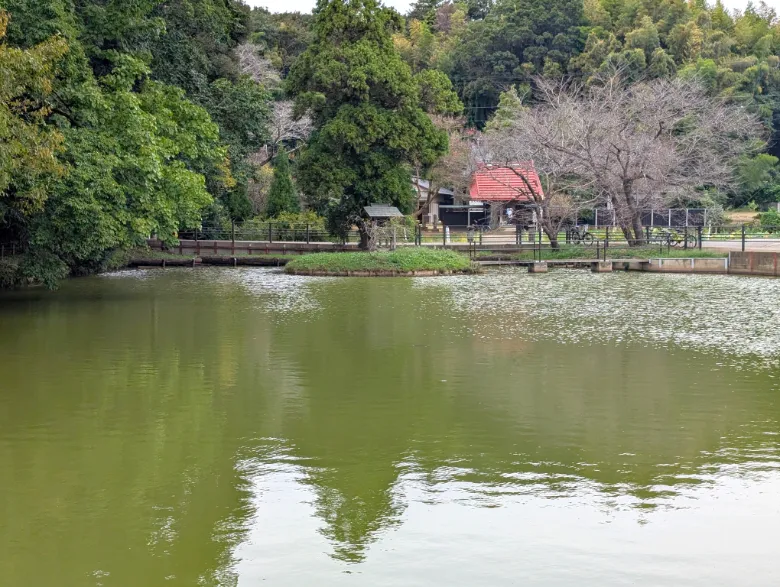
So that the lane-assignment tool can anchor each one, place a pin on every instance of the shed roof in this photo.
(505, 183)
(382, 211)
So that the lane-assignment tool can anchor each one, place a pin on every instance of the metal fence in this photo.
(510, 237)
(735, 237)
(10, 249)
(269, 232)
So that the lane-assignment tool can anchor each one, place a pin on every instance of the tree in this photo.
(131, 154)
(510, 105)
(450, 171)
(560, 196)
(759, 180)
(257, 67)
(517, 38)
(137, 170)
(285, 129)
(423, 10)
(365, 104)
(661, 64)
(632, 147)
(282, 196)
(281, 36)
(645, 38)
(28, 149)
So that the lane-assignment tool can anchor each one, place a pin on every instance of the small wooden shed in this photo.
(382, 213)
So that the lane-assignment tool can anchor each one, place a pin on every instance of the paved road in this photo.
(750, 245)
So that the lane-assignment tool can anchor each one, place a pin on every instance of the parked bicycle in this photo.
(579, 235)
(672, 238)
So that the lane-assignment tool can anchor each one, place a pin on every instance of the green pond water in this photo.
(222, 427)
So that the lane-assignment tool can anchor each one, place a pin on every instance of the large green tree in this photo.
(28, 149)
(366, 107)
(282, 196)
(132, 154)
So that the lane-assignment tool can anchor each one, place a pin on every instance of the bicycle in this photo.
(579, 235)
(673, 238)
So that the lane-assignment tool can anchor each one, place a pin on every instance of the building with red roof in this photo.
(506, 183)
(507, 186)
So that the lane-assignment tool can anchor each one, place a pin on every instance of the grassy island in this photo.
(403, 261)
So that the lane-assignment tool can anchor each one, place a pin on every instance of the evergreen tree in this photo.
(366, 106)
(282, 196)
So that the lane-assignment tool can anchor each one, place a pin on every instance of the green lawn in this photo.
(403, 259)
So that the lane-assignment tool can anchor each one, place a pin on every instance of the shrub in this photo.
(770, 221)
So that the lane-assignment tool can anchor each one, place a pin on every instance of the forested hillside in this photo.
(120, 120)
(487, 48)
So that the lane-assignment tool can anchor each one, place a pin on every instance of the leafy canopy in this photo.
(365, 103)
(28, 149)
(282, 197)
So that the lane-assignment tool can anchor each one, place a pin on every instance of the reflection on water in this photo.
(223, 427)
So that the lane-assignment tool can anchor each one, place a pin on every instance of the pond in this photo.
(221, 427)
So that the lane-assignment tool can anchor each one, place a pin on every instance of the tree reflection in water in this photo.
(170, 402)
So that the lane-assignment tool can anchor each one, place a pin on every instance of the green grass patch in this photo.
(403, 259)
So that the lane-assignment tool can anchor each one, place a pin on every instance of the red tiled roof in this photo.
(501, 183)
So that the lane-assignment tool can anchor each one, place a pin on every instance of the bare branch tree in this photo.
(452, 170)
(633, 147)
(558, 196)
(284, 128)
(260, 69)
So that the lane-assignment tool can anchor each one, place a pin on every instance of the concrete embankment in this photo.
(757, 263)
(761, 263)
(754, 263)
(684, 265)
(250, 261)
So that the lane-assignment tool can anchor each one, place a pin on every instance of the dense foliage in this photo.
(366, 107)
(120, 120)
(282, 197)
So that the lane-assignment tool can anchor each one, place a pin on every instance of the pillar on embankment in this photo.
(601, 267)
(538, 267)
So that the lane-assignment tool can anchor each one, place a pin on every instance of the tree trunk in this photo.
(636, 216)
(627, 232)
(552, 235)
(367, 237)
(638, 231)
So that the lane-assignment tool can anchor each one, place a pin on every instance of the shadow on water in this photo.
(143, 429)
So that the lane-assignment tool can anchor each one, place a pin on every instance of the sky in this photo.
(400, 5)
